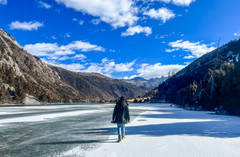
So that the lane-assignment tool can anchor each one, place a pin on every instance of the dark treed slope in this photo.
(192, 85)
(25, 78)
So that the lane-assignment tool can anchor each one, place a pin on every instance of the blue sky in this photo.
(121, 38)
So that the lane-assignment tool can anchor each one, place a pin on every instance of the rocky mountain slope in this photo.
(98, 87)
(145, 84)
(25, 78)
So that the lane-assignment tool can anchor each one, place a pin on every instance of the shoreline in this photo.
(45, 104)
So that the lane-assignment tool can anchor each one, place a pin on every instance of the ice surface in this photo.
(163, 131)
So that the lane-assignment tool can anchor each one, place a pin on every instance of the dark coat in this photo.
(121, 112)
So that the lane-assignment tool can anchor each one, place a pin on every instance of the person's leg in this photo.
(123, 131)
(119, 131)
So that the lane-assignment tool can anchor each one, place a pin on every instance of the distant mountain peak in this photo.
(138, 79)
(146, 84)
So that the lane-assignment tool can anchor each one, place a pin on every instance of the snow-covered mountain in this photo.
(146, 84)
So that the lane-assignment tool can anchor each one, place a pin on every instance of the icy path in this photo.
(164, 131)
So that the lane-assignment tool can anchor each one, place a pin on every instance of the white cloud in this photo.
(83, 46)
(236, 34)
(111, 50)
(189, 57)
(94, 67)
(73, 67)
(62, 58)
(109, 66)
(67, 35)
(118, 13)
(104, 60)
(137, 29)
(164, 36)
(55, 52)
(81, 22)
(197, 49)
(79, 57)
(163, 14)
(41, 49)
(130, 77)
(183, 2)
(187, 63)
(63, 52)
(148, 71)
(95, 21)
(178, 2)
(165, 1)
(3, 1)
(124, 67)
(171, 50)
(53, 37)
(42, 4)
(26, 25)
(106, 67)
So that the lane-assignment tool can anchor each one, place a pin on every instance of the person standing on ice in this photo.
(121, 117)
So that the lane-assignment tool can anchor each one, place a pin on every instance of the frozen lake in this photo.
(85, 130)
(53, 129)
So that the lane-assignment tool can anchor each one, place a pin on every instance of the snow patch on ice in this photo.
(46, 116)
(3, 113)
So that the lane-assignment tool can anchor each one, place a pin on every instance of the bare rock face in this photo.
(26, 78)
(30, 100)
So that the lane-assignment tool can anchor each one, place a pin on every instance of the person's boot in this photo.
(123, 137)
(119, 140)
